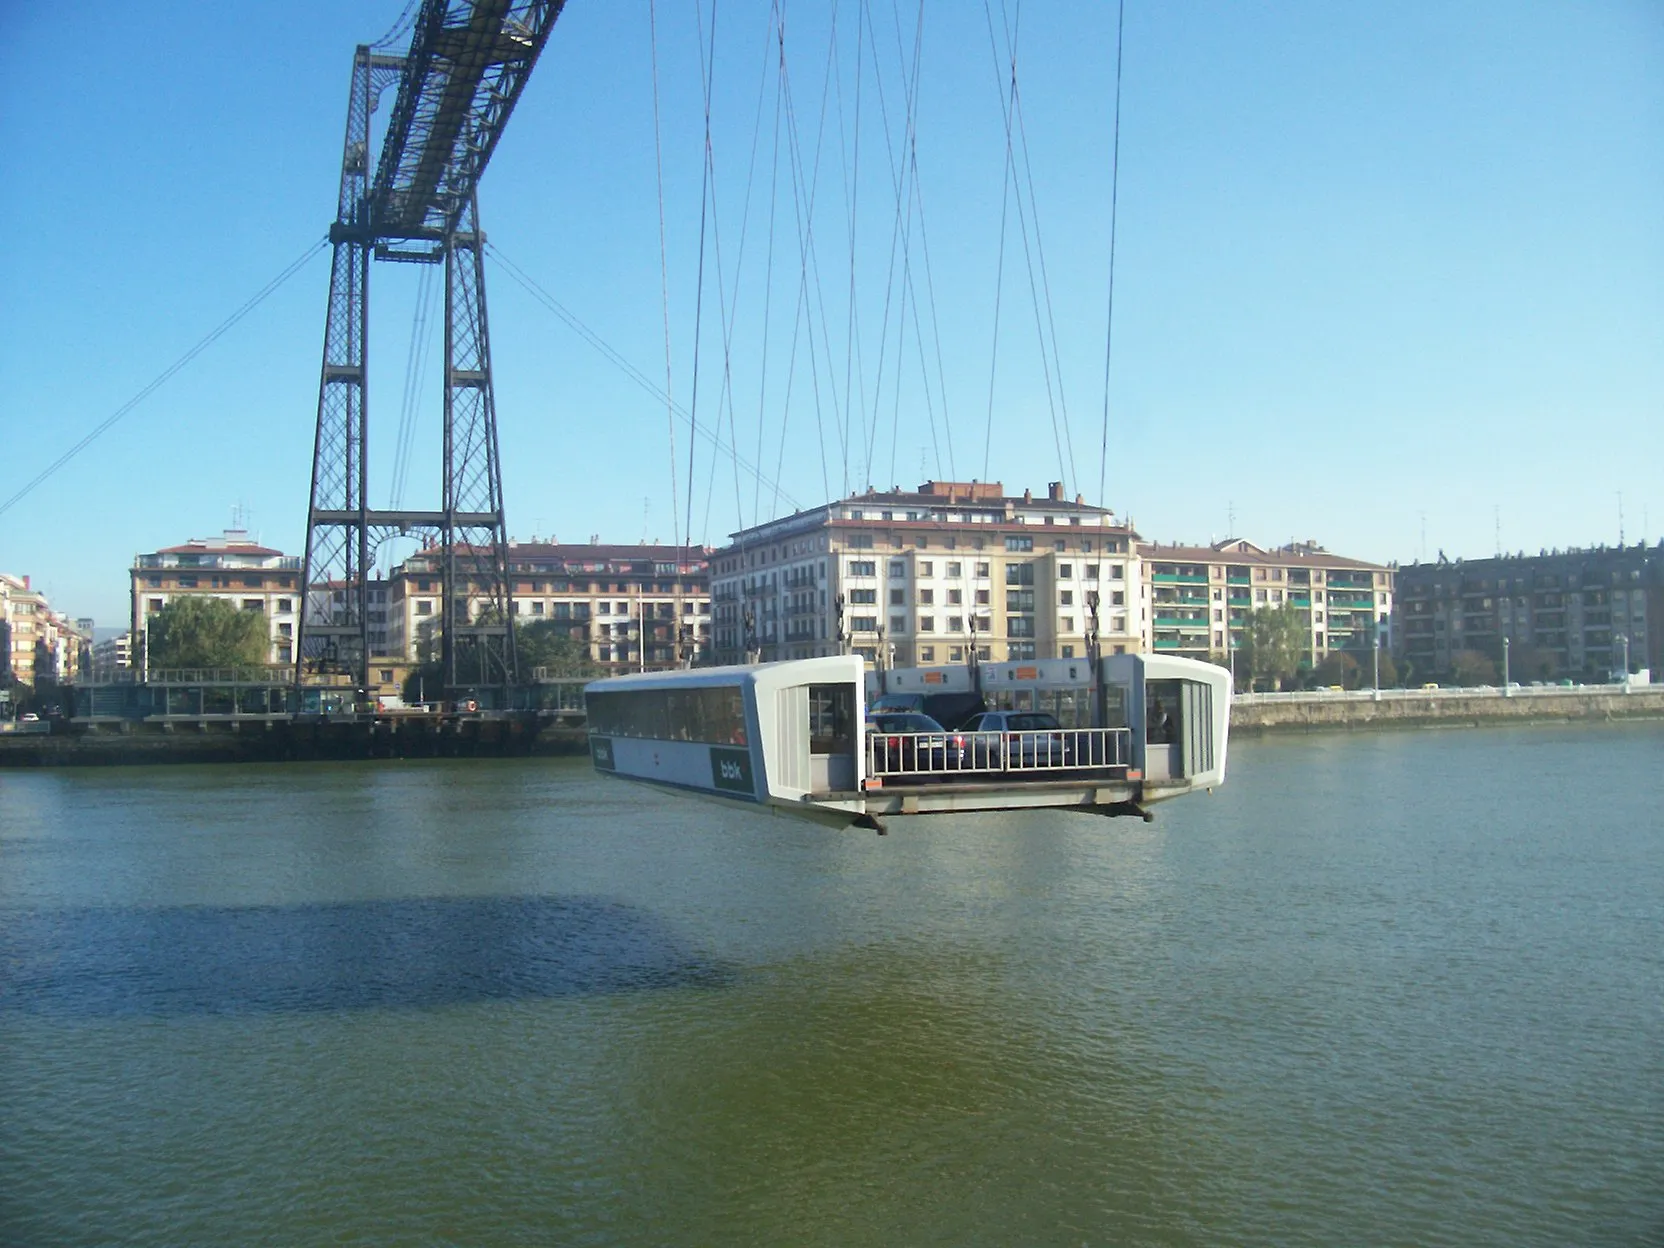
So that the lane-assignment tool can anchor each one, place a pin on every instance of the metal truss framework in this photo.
(458, 84)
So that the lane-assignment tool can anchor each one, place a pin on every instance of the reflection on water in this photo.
(1380, 989)
(398, 954)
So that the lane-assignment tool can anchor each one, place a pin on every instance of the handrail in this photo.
(897, 755)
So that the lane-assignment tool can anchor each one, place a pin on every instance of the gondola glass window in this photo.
(831, 719)
(712, 715)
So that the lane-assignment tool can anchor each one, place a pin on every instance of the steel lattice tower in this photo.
(467, 63)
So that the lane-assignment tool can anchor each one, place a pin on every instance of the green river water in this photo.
(1404, 988)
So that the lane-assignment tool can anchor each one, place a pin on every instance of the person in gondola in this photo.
(1161, 725)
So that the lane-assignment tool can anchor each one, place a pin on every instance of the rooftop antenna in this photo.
(646, 514)
(1230, 518)
(1620, 519)
(1496, 520)
(1424, 537)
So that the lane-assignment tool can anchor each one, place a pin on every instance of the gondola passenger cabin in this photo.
(796, 738)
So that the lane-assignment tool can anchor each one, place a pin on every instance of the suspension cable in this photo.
(213, 336)
(1114, 194)
(664, 270)
(577, 326)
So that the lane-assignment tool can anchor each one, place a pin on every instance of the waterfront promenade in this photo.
(1323, 710)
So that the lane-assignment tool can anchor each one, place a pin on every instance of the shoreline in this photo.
(1398, 710)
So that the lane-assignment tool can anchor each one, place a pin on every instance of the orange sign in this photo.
(933, 678)
(1027, 673)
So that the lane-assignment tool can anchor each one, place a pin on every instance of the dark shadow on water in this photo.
(408, 953)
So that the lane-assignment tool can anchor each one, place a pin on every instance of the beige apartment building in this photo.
(233, 567)
(629, 606)
(1194, 601)
(36, 642)
(912, 578)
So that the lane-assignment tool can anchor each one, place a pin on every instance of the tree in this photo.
(1469, 667)
(1389, 671)
(1338, 668)
(549, 644)
(207, 632)
(1528, 663)
(1274, 644)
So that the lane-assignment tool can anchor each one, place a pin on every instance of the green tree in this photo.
(1528, 663)
(1470, 667)
(549, 644)
(1389, 671)
(1338, 668)
(207, 632)
(1275, 643)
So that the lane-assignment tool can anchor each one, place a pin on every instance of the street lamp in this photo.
(1624, 638)
(1506, 641)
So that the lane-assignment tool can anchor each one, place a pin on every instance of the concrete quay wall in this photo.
(1452, 708)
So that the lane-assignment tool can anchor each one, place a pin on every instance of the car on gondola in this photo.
(1021, 739)
(906, 742)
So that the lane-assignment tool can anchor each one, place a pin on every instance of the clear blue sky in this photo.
(1377, 269)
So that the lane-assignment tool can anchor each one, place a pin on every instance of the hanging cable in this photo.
(577, 326)
(213, 336)
(410, 401)
(699, 281)
(664, 269)
(1114, 195)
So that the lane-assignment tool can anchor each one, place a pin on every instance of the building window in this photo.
(1065, 571)
(926, 568)
(1057, 545)
(927, 597)
(956, 569)
(898, 567)
(1117, 598)
(898, 597)
(956, 654)
(1020, 626)
(1014, 542)
(424, 608)
(927, 654)
(927, 623)
(1067, 598)
(285, 630)
(537, 608)
(187, 582)
(982, 598)
(863, 567)
(863, 623)
(1019, 574)
(1067, 623)
(285, 605)
(982, 569)
(155, 605)
(898, 623)
(863, 595)
(956, 623)
(860, 541)
(1067, 652)
(955, 597)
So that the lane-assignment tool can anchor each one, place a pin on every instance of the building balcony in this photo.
(1177, 578)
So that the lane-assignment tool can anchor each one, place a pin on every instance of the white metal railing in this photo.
(1515, 690)
(979, 755)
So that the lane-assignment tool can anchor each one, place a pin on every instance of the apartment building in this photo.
(1566, 614)
(1195, 600)
(629, 606)
(36, 642)
(920, 577)
(232, 567)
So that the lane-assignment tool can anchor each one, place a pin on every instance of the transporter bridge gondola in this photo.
(795, 737)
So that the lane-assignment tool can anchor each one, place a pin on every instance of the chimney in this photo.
(1054, 491)
(1080, 500)
(1028, 496)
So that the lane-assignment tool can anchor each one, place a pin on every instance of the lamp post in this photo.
(1506, 690)
(1624, 638)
